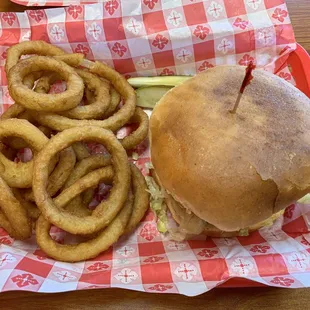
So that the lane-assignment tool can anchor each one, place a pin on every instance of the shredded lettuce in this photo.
(162, 225)
(135, 156)
(157, 204)
(148, 166)
(155, 191)
(243, 232)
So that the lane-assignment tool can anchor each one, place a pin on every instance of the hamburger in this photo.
(226, 174)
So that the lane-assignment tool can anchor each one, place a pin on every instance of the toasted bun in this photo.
(192, 225)
(232, 170)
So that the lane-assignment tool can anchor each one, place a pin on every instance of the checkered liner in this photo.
(154, 37)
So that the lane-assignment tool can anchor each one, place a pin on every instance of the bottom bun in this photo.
(185, 224)
(214, 232)
(193, 225)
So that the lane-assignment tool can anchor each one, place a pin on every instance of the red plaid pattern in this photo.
(158, 37)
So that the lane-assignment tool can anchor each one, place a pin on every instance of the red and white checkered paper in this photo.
(153, 37)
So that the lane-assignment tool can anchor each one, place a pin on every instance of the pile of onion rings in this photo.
(58, 182)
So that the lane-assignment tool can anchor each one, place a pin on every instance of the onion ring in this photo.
(140, 133)
(62, 171)
(87, 165)
(115, 101)
(100, 243)
(90, 96)
(18, 143)
(45, 82)
(32, 210)
(68, 99)
(84, 250)
(20, 174)
(16, 111)
(59, 175)
(90, 180)
(80, 150)
(101, 98)
(100, 89)
(27, 48)
(4, 223)
(73, 60)
(106, 210)
(14, 212)
(114, 122)
(142, 198)
(13, 111)
(47, 131)
(30, 79)
(7, 151)
(78, 205)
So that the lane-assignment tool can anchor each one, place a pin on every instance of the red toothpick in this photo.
(247, 80)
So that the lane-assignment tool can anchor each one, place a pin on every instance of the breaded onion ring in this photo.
(59, 175)
(32, 210)
(18, 111)
(114, 122)
(141, 201)
(80, 150)
(13, 111)
(134, 209)
(29, 48)
(30, 99)
(78, 205)
(114, 102)
(20, 174)
(99, 88)
(88, 249)
(18, 222)
(106, 210)
(137, 136)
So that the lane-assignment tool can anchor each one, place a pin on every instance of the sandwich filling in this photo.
(179, 223)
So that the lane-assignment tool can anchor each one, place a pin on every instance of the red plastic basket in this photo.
(299, 62)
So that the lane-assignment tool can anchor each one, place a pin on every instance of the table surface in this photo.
(238, 298)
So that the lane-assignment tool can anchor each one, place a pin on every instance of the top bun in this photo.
(232, 170)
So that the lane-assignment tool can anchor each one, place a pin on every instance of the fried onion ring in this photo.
(18, 111)
(59, 175)
(32, 210)
(78, 205)
(99, 88)
(140, 133)
(84, 250)
(73, 60)
(19, 223)
(30, 79)
(28, 48)
(115, 100)
(141, 200)
(20, 174)
(101, 98)
(30, 99)
(80, 150)
(13, 111)
(114, 122)
(135, 210)
(106, 210)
